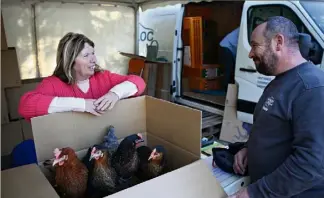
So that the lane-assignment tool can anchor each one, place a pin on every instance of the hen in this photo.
(71, 174)
(110, 143)
(103, 177)
(152, 162)
(125, 160)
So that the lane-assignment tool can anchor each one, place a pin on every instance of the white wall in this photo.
(112, 28)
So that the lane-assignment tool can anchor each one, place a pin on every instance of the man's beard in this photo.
(267, 63)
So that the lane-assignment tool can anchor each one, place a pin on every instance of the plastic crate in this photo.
(192, 36)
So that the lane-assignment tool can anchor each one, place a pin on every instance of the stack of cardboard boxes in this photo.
(13, 128)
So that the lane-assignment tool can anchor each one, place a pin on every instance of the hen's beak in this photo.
(95, 155)
(56, 161)
(139, 141)
(93, 152)
(152, 155)
(91, 157)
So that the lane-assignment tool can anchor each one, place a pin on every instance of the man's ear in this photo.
(279, 41)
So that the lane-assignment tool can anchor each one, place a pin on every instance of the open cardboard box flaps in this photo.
(176, 127)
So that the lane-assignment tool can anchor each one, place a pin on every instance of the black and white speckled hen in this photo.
(125, 160)
(102, 176)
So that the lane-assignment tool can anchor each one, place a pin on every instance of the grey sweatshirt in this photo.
(286, 144)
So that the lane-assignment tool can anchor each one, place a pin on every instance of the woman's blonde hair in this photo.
(68, 49)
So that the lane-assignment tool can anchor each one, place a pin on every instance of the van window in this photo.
(259, 14)
(315, 10)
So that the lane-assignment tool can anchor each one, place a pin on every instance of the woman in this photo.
(78, 83)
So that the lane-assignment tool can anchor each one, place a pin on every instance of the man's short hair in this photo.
(281, 25)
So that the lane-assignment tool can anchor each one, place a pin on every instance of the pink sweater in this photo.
(36, 103)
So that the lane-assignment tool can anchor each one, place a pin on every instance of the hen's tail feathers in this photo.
(111, 140)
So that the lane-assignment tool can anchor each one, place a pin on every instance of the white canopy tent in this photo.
(145, 4)
(34, 27)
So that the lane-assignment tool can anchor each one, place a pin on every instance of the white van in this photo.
(227, 16)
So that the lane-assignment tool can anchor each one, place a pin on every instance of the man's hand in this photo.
(243, 193)
(240, 161)
(90, 107)
(105, 102)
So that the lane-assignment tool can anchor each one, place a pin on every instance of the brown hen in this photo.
(71, 174)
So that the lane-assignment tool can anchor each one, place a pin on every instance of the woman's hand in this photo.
(105, 102)
(90, 107)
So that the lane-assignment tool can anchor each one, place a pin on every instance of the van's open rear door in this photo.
(176, 84)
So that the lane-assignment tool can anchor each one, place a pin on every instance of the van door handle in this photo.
(248, 70)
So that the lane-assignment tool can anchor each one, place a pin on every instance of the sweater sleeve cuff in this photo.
(125, 89)
(63, 104)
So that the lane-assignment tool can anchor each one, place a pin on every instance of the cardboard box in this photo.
(10, 74)
(14, 94)
(26, 182)
(233, 130)
(11, 135)
(231, 95)
(159, 123)
(4, 108)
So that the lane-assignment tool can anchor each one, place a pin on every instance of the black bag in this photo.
(224, 158)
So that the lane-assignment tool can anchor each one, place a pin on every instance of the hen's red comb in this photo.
(93, 150)
(57, 152)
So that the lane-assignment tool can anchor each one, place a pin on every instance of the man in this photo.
(228, 51)
(285, 150)
(230, 41)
